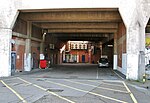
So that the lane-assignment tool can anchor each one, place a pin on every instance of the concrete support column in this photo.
(115, 63)
(64, 59)
(5, 50)
(141, 68)
(27, 55)
(60, 58)
(135, 51)
(41, 47)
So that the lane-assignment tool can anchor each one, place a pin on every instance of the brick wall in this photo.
(121, 41)
(19, 48)
(35, 53)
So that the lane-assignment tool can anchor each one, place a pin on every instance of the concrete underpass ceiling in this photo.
(86, 24)
(148, 27)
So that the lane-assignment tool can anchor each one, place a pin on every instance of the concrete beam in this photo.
(69, 10)
(25, 36)
(81, 35)
(76, 16)
(82, 30)
(49, 25)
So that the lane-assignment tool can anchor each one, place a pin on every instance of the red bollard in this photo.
(43, 64)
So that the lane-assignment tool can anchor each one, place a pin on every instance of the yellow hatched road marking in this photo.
(18, 95)
(98, 87)
(81, 90)
(131, 95)
(46, 90)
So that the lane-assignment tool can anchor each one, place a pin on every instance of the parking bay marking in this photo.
(131, 95)
(17, 94)
(107, 83)
(98, 87)
(46, 90)
(81, 90)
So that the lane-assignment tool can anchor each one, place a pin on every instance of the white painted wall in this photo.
(124, 63)
(40, 4)
(115, 63)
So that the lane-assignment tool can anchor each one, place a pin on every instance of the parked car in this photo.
(103, 62)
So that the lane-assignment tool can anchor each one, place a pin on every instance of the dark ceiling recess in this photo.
(148, 27)
(90, 24)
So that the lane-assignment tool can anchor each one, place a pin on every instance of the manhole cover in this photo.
(55, 90)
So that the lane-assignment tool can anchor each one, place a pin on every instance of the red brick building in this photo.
(81, 52)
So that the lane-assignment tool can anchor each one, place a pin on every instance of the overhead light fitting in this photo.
(110, 45)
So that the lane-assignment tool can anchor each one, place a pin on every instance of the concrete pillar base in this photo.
(27, 60)
(132, 66)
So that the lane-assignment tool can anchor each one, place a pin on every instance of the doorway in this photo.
(83, 58)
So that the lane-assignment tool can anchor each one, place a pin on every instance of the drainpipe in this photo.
(42, 45)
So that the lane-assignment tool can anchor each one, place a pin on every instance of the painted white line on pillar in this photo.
(115, 63)
(97, 74)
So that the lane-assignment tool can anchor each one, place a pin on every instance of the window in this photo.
(79, 46)
(76, 46)
(72, 46)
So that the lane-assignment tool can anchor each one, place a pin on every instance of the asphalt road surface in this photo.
(70, 83)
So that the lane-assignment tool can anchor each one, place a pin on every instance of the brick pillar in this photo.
(5, 48)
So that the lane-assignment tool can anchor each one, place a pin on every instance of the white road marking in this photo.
(107, 83)
(98, 87)
(81, 90)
